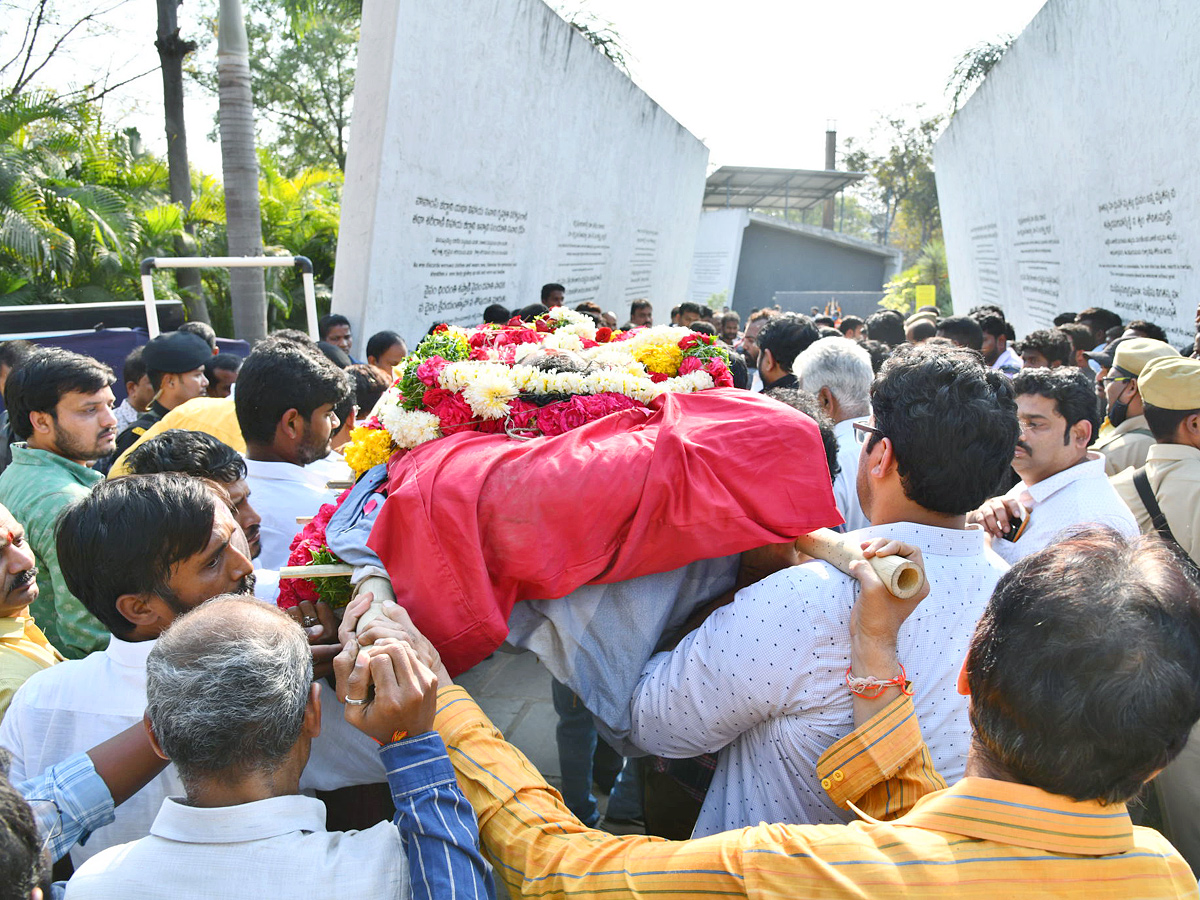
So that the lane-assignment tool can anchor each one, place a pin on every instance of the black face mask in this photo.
(1118, 412)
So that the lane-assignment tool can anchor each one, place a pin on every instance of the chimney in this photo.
(830, 164)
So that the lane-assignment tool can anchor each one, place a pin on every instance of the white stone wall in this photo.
(1070, 180)
(493, 149)
(718, 248)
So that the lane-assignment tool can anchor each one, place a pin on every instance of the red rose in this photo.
(514, 321)
(440, 327)
(543, 326)
(588, 344)
(430, 370)
(434, 396)
(720, 373)
(603, 335)
(658, 377)
(454, 414)
(690, 364)
(478, 339)
(690, 341)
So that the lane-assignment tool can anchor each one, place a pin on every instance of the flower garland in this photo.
(309, 548)
(532, 378)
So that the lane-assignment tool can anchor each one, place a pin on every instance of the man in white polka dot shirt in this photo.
(763, 680)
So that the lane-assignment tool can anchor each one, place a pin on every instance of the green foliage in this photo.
(302, 79)
(901, 178)
(930, 268)
(973, 67)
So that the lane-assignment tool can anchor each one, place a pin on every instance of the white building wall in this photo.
(493, 149)
(718, 249)
(1069, 179)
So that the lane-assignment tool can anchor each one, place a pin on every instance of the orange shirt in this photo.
(24, 651)
(979, 839)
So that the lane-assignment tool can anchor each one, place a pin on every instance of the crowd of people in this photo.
(167, 731)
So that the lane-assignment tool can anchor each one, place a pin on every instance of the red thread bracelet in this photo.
(861, 686)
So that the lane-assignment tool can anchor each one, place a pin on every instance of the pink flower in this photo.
(453, 413)
(430, 370)
(690, 364)
(720, 373)
(588, 343)
(523, 412)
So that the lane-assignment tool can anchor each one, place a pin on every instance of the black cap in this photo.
(175, 352)
(1105, 355)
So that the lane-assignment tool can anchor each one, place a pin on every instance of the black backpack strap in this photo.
(1146, 493)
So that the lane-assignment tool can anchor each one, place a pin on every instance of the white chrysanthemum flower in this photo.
(691, 382)
(490, 393)
(659, 334)
(586, 330)
(563, 340)
(457, 376)
(410, 429)
(524, 351)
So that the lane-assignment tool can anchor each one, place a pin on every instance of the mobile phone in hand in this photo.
(1016, 527)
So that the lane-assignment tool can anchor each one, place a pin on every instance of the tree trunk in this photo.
(171, 51)
(239, 167)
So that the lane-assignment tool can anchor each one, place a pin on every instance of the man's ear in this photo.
(1081, 433)
(42, 422)
(963, 687)
(139, 610)
(825, 398)
(881, 459)
(311, 726)
(292, 424)
(766, 359)
(154, 744)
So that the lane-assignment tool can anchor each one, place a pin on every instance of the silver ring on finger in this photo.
(351, 702)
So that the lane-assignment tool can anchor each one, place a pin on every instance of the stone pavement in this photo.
(514, 690)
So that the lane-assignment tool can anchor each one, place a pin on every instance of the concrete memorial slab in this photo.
(1068, 179)
(493, 150)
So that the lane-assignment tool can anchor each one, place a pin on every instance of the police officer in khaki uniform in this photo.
(175, 365)
(1125, 437)
(1170, 481)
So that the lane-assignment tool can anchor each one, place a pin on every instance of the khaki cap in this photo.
(917, 317)
(1133, 354)
(1171, 383)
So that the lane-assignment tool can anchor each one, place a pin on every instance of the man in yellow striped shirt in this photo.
(1082, 676)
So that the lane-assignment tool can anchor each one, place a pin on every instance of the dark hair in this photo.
(134, 367)
(13, 353)
(1080, 337)
(280, 376)
(334, 354)
(226, 362)
(877, 350)
(187, 453)
(689, 307)
(368, 386)
(963, 330)
(1064, 318)
(1052, 343)
(986, 309)
(824, 320)
(532, 311)
(886, 325)
(990, 323)
(739, 371)
(495, 314)
(124, 537)
(703, 327)
(1104, 319)
(327, 323)
(952, 423)
(202, 330)
(787, 336)
(1165, 422)
(639, 304)
(293, 336)
(41, 380)
(706, 311)
(807, 404)
(22, 867)
(849, 323)
(921, 330)
(1149, 329)
(1071, 389)
(1084, 666)
(674, 311)
(381, 342)
(548, 289)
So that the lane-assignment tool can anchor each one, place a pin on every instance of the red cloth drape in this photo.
(474, 523)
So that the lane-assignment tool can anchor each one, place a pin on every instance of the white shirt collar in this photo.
(929, 539)
(273, 817)
(128, 654)
(285, 471)
(1091, 467)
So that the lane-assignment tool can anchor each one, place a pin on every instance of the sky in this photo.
(756, 80)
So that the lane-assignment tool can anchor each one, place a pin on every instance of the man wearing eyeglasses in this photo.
(763, 679)
(1063, 485)
(1125, 438)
